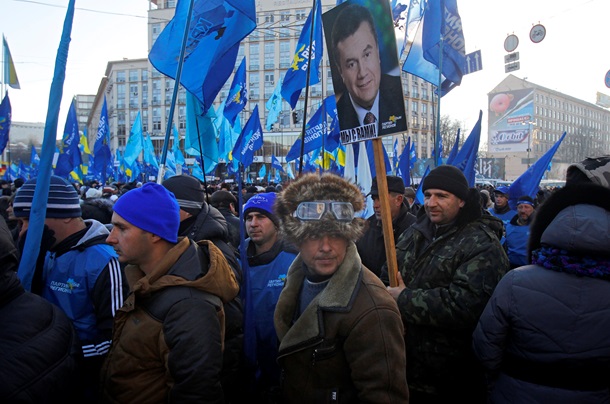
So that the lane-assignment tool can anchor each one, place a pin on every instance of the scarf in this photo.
(562, 261)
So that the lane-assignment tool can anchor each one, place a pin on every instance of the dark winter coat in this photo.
(371, 246)
(348, 345)
(167, 340)
(38, 345)
(450, 274)
(544, 335)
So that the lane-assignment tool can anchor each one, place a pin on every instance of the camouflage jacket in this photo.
(450, 274)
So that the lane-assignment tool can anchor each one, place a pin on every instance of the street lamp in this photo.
(531, 125)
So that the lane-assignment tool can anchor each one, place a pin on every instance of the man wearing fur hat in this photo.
(340, 332)
(168, 336)
(450, 261)
(268, 260)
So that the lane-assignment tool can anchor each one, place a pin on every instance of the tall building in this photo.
(526, 120)
(133, 85)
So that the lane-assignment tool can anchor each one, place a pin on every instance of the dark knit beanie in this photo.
(263, 204)
(447, 178)
(62, 202)
(188, 191)
(152, 208)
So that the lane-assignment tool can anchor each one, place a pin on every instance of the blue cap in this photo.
(502, 190)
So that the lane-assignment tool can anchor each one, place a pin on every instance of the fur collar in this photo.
(336, 297)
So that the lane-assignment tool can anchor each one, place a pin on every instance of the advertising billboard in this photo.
(510, 120)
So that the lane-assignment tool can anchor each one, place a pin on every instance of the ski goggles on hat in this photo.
(314, 210)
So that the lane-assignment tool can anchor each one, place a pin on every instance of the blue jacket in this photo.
(266, 275)
(515, 243)
(85, 280)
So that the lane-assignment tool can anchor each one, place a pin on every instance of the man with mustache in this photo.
(340, 333)
(449, 263)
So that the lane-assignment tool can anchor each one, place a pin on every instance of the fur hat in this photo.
(311, 187)
(447, 178)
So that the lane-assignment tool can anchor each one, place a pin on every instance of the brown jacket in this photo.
(348, 344)
(168, 336)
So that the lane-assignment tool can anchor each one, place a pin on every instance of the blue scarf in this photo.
(581, 265)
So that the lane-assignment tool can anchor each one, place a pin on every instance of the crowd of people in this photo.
(176, 292)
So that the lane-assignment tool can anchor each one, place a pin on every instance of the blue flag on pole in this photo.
(467, 156)
(5, 121)
(135, 144)
(274, 105)
(178, 156)
(275, 163)
(27, 265)
(10, 74)
(215, 31)
(315, 131)
(419, 195)
(238, 95)
(200, 130)
(529, 182)
(404, 164)
(262, 172)
(296, 76)
(250, 140)
(101, 149)
(423, 57)
(149, 152)
(71, 138)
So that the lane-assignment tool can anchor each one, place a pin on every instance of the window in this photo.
(134, 75)
(120, 76)
(269, 78)
(144, 120)
(269, 55)
(144, 75)
(156, 119)
(285, 16)
(301, 14)
(155, 30)
(285, 54)
(269, 18)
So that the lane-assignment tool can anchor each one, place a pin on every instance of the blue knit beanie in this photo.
(151, 208)
(262, 203)
(62, 202)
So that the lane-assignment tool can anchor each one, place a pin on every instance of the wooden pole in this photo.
(386, 216)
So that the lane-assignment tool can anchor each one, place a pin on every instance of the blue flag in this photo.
(5, 121)
(135, 144)
(332, 140)
(71, 139)
(39, 203)
(101, 148)
(149, 152)
(440, 18)
(296, 76)
(215, 30)
(529, 182)
(177, 153)
(238, 95)
(274, 105)
(467, 156)
(404, 164)
(315, 131)
(200, 136)
(454, 150)
(371, 155)
(275, 163)
(262, 172)
(395, 157)
(250, 140)
(419, 195)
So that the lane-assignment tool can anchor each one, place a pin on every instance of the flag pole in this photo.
(170, 118)
(311, 31)
(437, 135)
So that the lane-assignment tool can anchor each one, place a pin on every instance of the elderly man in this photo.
(450, 261)
(372, 242)
(168, 336)
(341, 337)
(518, 232)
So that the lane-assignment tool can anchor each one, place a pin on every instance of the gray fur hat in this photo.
(312, 187)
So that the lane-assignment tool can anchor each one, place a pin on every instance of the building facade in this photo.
(133, 85)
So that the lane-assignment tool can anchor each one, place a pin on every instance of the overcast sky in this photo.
(572, 59)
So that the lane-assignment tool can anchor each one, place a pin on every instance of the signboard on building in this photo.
(603, 100)
(510, 117)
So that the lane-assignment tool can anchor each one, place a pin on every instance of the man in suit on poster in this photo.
(370, 96)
